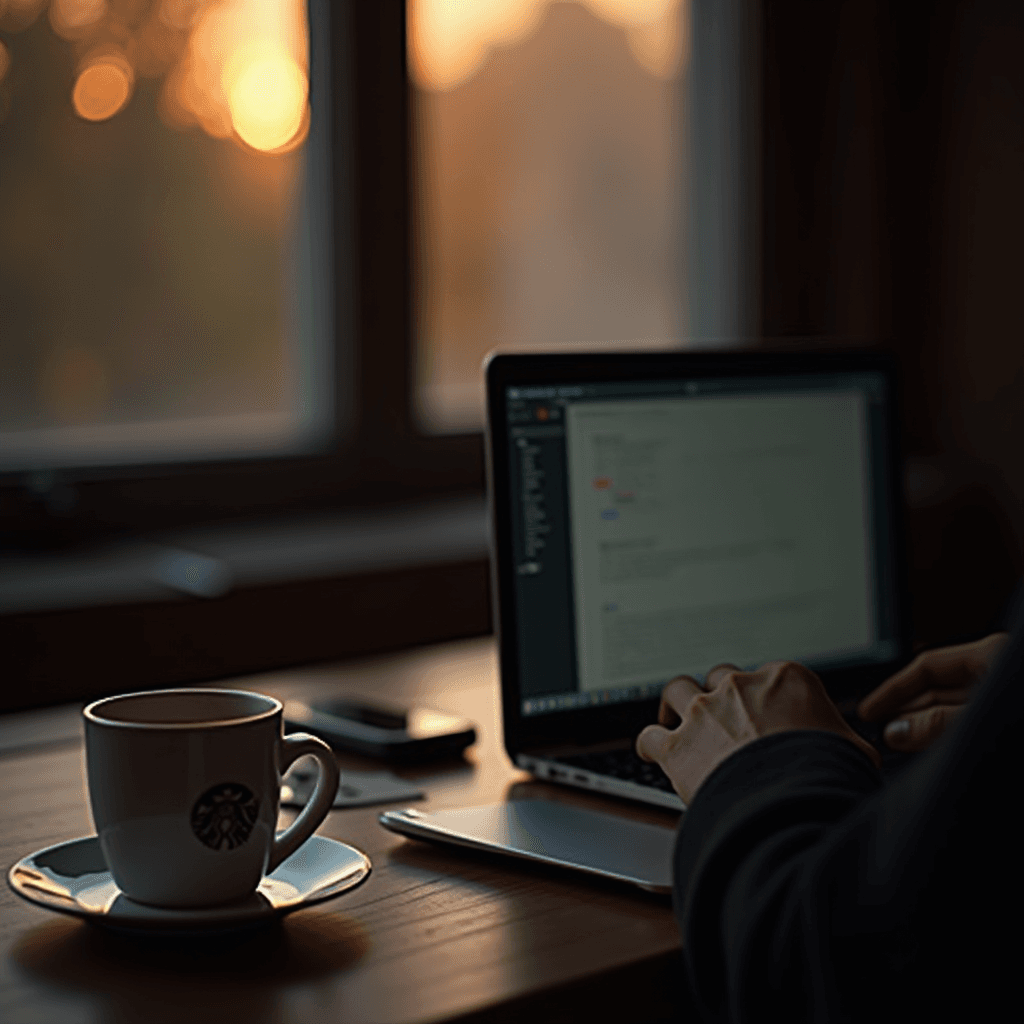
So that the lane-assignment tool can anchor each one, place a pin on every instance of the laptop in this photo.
(656, 514)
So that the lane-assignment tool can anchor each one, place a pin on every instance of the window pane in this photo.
(550, 169)
(152, 165)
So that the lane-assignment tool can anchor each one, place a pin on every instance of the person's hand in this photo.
(921, 700)
(698, 729)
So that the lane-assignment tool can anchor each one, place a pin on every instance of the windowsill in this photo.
(213, 562)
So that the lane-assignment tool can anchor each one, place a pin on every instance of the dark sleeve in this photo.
(807, 891)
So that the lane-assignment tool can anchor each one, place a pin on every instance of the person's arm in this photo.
(807, 892)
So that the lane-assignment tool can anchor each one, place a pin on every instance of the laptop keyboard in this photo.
(626, 764)
(621, 764)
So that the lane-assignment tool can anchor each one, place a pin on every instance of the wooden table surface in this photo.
(434, 934)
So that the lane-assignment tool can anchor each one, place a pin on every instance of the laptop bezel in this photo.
(526, 733)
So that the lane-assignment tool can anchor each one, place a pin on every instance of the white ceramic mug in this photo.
(185, 788)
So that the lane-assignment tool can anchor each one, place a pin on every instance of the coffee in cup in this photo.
(185, 789)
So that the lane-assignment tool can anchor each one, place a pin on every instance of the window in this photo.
(201, 562)
(202, 322)
(550, 168)
(155, 208)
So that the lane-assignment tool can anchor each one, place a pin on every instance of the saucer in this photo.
(72, 878)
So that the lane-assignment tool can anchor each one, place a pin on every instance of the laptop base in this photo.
(558, 771)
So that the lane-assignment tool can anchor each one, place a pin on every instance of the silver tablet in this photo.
(551, 833)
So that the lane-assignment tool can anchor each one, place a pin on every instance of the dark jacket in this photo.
(808, 891)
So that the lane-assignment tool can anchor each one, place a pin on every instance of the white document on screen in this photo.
(718, 529)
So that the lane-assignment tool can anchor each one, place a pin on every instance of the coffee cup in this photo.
(185, 790)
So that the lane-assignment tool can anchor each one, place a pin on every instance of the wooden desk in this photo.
(434, 934)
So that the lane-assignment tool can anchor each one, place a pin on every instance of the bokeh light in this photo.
(630, 13)
(103, 88)
(450, 39)
(242, 73)
(266, 93)
(235, 68)
(72, 18)
(660, 45)
(179, 14)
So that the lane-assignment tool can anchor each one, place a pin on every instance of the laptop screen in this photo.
(662, 527)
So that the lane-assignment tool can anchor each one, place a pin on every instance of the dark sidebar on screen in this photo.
(543, 559)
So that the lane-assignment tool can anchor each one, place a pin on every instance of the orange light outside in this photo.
(102, 88)
(244, 73)
(72, 18)
(266, 92)
(233, 67)
(243, 70)
(450, 39)
(5, 60)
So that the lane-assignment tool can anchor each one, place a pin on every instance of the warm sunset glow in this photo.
(630, 13)
(179, 14)
(450, 39)
(70, 17)
(5, 60)
(243, 72)
(266, 93)
(102, 89)
(660, 45)
(235, 68)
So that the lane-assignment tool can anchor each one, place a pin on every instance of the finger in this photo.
(895, 692)
(991, 646)
(675, 699)
(948, 668)
(931, 698)
(652, 743)
(920, 729)
(921, 674)
(718, 673)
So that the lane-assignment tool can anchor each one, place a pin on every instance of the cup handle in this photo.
(294, 746)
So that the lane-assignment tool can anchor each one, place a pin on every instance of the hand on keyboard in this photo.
(920, 701)
(699, 728)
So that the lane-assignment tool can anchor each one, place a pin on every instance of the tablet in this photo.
(551, 833)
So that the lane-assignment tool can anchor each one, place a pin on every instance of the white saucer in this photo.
(72, 878)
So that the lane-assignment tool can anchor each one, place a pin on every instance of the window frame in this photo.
(376, 456)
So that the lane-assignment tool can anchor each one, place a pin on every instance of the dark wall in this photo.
(893, 209)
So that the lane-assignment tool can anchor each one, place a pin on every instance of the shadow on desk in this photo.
(234, 977)
(242, 977)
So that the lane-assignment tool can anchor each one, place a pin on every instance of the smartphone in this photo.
(380, 730)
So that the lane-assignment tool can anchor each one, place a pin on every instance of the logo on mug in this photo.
(223, 817)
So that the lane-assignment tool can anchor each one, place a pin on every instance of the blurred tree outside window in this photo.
(151, 172)
(550, 171)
